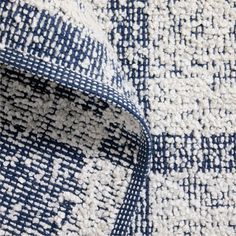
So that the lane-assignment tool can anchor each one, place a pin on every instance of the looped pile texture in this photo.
(117, 117)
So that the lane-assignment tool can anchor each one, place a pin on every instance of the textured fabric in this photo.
(117, 117)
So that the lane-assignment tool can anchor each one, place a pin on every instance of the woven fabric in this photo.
(117, 117)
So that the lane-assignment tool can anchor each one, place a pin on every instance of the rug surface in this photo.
(118, 117)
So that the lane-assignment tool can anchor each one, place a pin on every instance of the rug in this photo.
(117, 117)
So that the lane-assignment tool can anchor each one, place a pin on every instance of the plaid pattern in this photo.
(117, 117)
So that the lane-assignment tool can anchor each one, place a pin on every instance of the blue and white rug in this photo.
(118, 117)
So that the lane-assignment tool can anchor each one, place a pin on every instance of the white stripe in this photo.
(180, 106)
